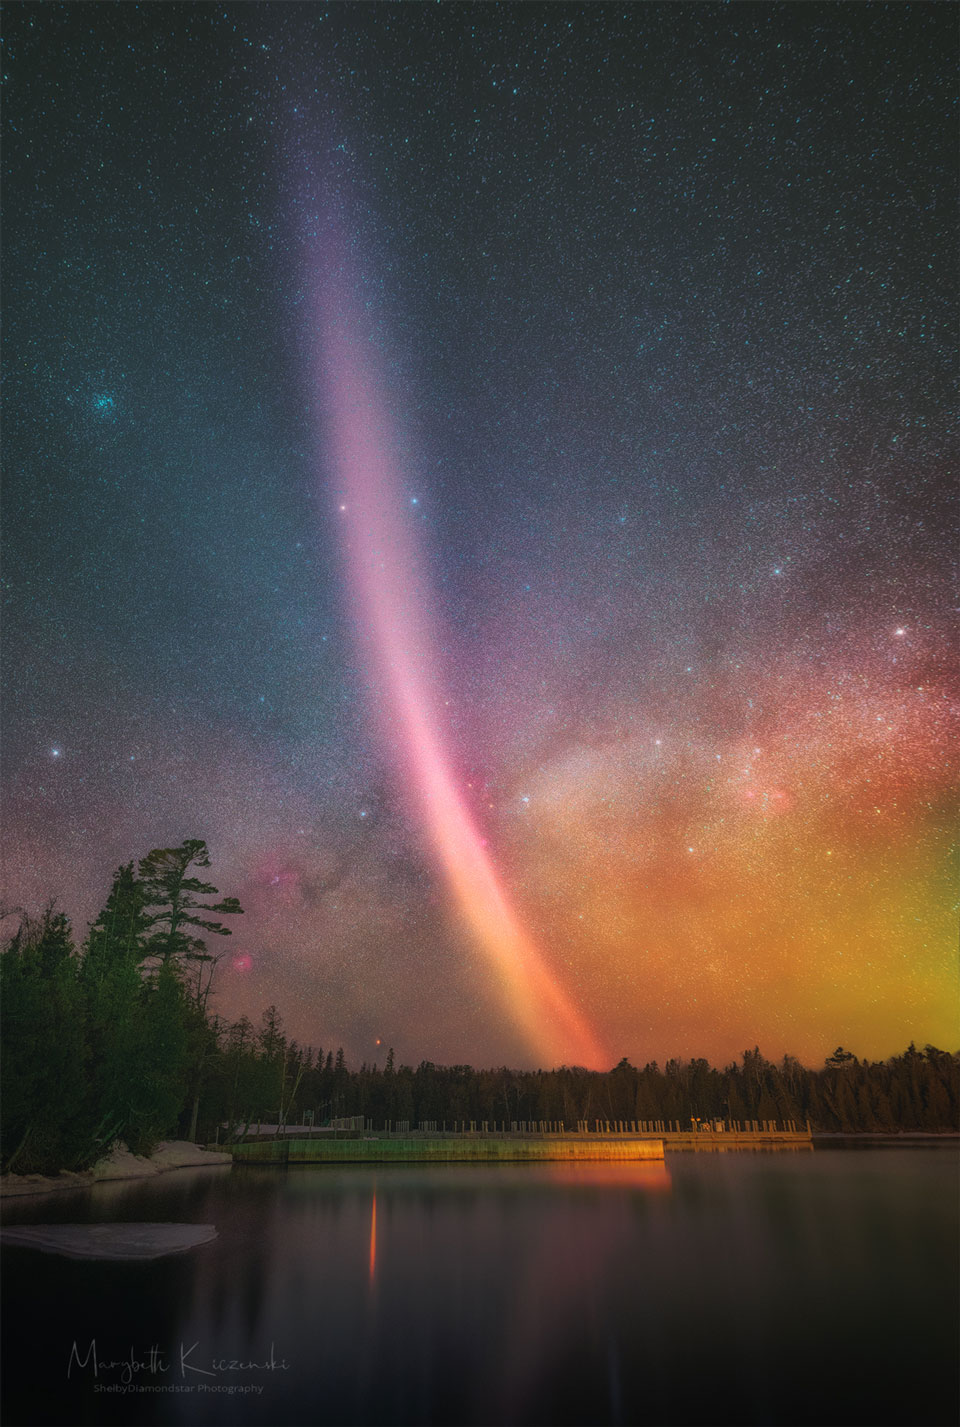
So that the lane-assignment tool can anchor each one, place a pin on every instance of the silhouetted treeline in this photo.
(263, 1079)
(111, 1042)
(114, 1041)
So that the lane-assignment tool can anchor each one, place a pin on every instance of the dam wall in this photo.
(434, 1149)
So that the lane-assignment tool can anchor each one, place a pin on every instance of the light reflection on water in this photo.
(373, 1235)
(737, 1288)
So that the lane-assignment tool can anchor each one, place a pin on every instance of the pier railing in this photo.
(694, 1133)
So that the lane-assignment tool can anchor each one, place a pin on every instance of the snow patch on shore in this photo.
(118, 1164)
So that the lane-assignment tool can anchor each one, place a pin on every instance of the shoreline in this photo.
(885, 1137)
(119, 1164)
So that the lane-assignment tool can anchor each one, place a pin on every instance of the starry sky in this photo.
(653, 306)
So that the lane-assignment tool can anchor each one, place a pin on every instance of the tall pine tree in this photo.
(112, 985)
(175, 909)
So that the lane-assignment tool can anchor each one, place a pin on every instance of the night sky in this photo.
(614, 707)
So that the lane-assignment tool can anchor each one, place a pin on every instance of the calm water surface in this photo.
(717, 1288)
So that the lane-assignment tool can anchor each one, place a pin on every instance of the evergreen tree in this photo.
(841, 1059)
(119, 932)
(174, 896)
(239, 1059)
(112, 988)
(157, 1092)
(175, 913)
(44, 1124)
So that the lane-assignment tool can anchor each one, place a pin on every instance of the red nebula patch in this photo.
(274, 874)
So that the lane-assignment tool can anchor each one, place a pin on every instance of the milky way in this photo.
(657, 305)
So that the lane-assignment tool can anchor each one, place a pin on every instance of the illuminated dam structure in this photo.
(435, 1149)
(621, 1140)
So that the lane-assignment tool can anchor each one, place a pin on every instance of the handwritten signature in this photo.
(153, 1362)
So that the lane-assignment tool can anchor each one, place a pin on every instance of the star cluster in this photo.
(665, 300)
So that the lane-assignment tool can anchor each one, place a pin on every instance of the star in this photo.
(556, 360)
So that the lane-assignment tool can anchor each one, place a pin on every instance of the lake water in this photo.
(715, 1288)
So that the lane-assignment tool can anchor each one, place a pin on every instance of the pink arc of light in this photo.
(389, 597)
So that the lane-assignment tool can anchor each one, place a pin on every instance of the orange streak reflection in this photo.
(373, 1236)
(617, 1174)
